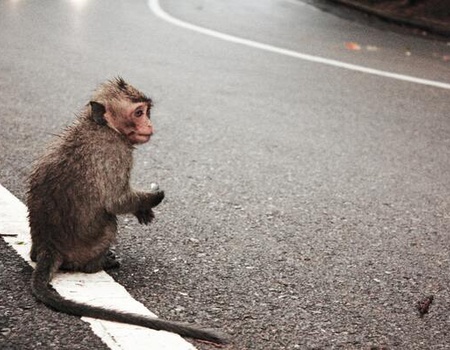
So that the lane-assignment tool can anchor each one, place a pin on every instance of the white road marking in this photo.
(158, 11)
(96, 289)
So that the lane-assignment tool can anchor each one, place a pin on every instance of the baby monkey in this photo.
(77, 188)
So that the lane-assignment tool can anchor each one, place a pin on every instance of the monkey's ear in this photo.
(98, 112)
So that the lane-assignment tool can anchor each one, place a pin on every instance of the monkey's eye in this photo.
(139, 113)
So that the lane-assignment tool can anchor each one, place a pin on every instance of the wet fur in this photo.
(76, 189)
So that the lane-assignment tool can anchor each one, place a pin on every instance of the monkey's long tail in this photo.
(46, 264)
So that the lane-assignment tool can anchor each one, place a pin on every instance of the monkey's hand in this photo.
(150, 200)
(153, 199)
(145, 216)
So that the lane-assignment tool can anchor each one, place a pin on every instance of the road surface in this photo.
(307, 202)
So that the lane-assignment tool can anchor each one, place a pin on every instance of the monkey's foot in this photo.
(111, 261)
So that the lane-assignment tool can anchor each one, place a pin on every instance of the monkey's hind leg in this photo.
(106, 261)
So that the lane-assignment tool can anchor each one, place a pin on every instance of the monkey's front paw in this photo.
(145, 216)
(156, 198)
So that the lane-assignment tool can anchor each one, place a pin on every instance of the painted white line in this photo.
(96, 289)
(158, 11)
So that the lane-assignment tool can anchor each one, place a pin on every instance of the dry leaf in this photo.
(352, 46)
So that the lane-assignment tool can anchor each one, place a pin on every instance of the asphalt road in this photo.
(307, 205)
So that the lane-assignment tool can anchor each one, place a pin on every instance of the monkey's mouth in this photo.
(141, 138)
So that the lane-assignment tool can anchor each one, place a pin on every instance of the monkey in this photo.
(77, 188)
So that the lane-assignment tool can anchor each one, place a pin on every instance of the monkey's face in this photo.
(129, 119)
(124, 109)
(137, 125)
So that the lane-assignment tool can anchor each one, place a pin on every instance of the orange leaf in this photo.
(352, 46)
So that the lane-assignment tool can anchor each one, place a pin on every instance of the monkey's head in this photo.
(123, 108)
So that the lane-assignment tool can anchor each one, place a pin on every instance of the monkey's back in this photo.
(71, 186)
